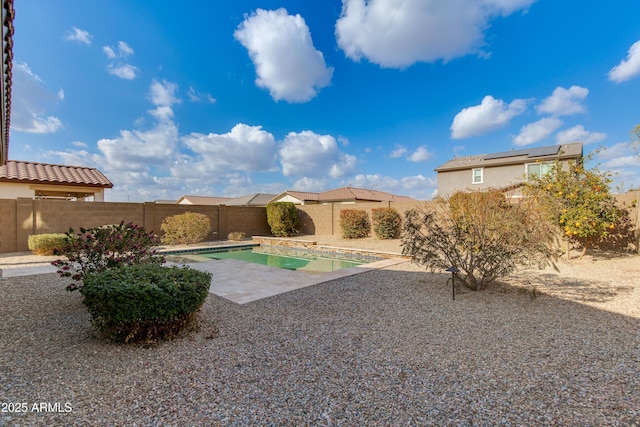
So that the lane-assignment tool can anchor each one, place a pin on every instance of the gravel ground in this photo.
(386, 347)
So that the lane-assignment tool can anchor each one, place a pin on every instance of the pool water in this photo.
(299, 262)
(302, 263)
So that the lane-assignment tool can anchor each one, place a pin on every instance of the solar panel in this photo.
(505, 154)
(550, 150)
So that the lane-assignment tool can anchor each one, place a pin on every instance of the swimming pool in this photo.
(288, 258)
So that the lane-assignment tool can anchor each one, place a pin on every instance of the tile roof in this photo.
(43, 173)
(353, 193)
(257, 199)
(347, 194)
(203, 200)
(552, 152)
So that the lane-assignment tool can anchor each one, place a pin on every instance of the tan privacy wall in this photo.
(23, 217)
(325, 219)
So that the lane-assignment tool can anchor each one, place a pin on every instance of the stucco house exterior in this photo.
(344, 195)
(503, 170)
(32, 180)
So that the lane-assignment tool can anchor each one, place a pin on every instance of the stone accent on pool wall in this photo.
(312, 246)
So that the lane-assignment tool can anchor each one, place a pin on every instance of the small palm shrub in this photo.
(387, 222)
(236, 236)
(145, 303)
(97, 249)
(186, 228)
(354, 223)
(46, 244)
(282, 218)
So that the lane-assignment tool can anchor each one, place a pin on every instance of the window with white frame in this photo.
(477, 176)
(538, 169)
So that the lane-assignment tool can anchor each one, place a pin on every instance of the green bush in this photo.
(145, 303)
(282, 218)
(186, 228)
(236, 236)
(354, 223)
(101, 248)
(387, 222)
(46, 244)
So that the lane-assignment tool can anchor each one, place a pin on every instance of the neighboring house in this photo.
(47, 181)
(258, 199)
(344, 195)
(201, 200)
(508, 169)
(8, 14)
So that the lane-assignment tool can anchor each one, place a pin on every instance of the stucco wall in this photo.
(23, 217)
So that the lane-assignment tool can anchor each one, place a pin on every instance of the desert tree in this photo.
(483, 234)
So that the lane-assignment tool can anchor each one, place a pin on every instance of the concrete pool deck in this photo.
(239, 281)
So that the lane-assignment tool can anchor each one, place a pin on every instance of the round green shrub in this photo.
(354, 223)
(145, 302)
(46, 244)
(186, 228)
(282, 218)
(387, 222)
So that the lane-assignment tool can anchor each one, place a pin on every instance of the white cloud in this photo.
(31, 101)
(627, 68)
(108, 50)
(579, 134)
(489, 115)
(312, 184)
(122, 51)
(422, 154)
(124, 71)
(398, 33)
(417, 186)
(195, 96)
(78, 35)
(163, 93)
(286, 62)
(307, 154)
(245, 148)
(398, 151)
(564, 102)
(537, 131)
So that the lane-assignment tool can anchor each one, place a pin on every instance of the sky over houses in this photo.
(264, 96)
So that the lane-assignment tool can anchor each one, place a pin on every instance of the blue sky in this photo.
(233, 98)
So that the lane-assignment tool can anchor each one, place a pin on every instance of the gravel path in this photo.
(386, 347)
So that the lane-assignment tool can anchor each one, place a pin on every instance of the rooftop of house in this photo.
(346, 194)
(547, 153)
(44, 173)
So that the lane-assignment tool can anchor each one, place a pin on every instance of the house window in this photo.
(538, 169)
(477, 176)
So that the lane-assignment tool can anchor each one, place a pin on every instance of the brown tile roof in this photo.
(43, 173)
(303, 195)
(8, 14)
(352, 193)
(551, 152)
(203, 200)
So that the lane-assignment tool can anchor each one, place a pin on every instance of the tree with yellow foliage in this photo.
(578, 200)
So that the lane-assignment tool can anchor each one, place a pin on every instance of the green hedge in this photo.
(387, 222)
(46, 244)
(186, 228)
(282, 218)
(145, 302)
(354, 223)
